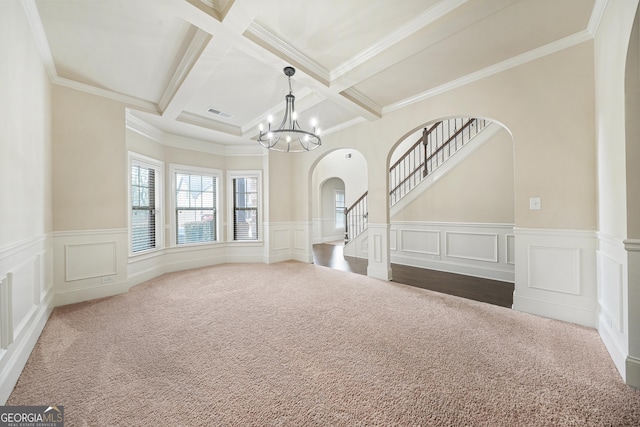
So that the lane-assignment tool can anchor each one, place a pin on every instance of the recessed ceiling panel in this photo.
(240, 87)
(127, 46)
(519, 28)
(333, 31)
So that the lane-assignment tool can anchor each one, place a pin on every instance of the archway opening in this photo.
(451, 209)
(337, 180)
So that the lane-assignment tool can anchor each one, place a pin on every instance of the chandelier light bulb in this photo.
(288, 137)
(314, 122)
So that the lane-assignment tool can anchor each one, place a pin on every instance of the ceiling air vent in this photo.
(220, 113)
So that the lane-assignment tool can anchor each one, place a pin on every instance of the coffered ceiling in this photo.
(212, 69)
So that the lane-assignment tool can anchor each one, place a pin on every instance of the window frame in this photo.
(135, 159)
(231, 175)
(194, 170)
(335, 208)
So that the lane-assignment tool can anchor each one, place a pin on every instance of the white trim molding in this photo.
(472, 249)
(26, 301)
(555, 274)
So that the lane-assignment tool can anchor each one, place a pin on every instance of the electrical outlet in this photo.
(535, 204)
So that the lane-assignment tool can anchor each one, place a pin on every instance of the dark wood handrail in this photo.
(404, 156)
(416, 170)
(451, 138)
(350, 208)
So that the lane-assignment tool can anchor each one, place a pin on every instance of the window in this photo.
(246, 219)
(195, 204)
(145, 199)
(339, 204)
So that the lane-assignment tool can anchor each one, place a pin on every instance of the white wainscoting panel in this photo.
(611, 291)
(89, 260)
(425, 242)
(473, 246)
(393, 239)
(279, 242)
(90, 264)
(26, 301)
(556, 274)
(22, 285)
(281, 239)
(464, 248)
(554, 269)
(379, 260)
(301, 236)
(510, 244)
(613, 298)
(6, 314)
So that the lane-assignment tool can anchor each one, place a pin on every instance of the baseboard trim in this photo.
(73, 296)
(20, 350)
(553, 310)
(633, 372)
(617, 354)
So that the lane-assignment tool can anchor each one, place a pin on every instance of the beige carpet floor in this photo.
(294, 344)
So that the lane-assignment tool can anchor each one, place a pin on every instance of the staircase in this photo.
(435, 146)
(356, 218)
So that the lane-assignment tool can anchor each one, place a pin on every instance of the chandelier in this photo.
(289, 137)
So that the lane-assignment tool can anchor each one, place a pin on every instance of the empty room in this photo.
(339, 212)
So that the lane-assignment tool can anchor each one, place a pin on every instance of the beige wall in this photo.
(478, 190)
(89, 162)
(25, 131)
(546, 104)
(279, 186)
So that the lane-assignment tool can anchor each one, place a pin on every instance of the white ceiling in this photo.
(356, 60)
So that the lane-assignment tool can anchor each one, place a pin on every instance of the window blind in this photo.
(196, 216)
(245, 208)
(143, 203)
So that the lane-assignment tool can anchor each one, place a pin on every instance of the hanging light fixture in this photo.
(289, 137)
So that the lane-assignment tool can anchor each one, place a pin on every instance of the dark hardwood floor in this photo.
(475, 288)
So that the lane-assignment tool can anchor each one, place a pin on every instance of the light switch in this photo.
(534, 203)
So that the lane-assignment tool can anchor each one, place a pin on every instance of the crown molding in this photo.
(424, 19)
(362, 100)
(33, 16)
(597, 14)
(194, 119)
(138, 125)
(140, 104)
(197, 45)
(508, 64)
(344, 125)
(260, 34)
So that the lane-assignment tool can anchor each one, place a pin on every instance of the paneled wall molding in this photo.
(473, 249)
(90, 233)
(26, 301)
(610, 239)
(25, 244)
(555, 274)
(378, 251)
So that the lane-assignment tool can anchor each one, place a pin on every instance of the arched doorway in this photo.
(337, 179)
(451, 209)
